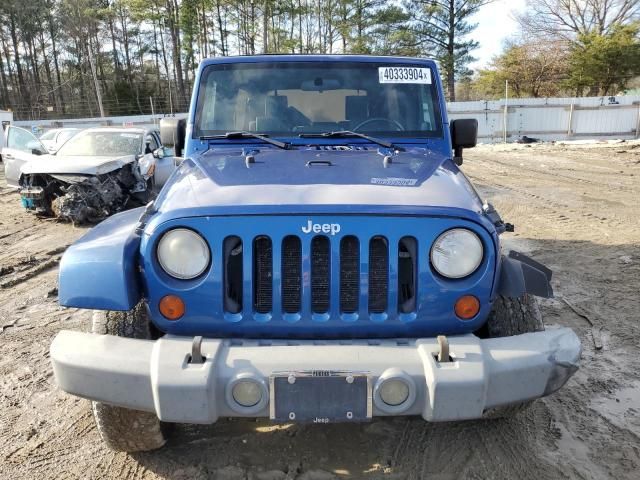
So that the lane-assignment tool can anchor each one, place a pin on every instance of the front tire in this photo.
(123, 429)
(512, 316)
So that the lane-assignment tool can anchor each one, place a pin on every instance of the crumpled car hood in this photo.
(309, 176)
(82, 165)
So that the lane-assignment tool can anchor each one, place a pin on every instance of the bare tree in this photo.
(568, 18)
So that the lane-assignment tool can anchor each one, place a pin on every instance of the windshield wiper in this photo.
(349, 133)
(240, 135)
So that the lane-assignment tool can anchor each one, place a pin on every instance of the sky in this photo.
(495, 24)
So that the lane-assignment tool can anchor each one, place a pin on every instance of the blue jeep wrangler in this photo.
(318, 256)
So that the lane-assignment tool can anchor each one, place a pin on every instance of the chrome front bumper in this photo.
(157, 376)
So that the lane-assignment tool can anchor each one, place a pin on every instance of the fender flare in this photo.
(520, 274)
(100, 270)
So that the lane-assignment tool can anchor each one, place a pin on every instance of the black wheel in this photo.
(512, 316)
(123, 429)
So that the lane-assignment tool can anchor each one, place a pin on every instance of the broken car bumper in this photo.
(159, 376)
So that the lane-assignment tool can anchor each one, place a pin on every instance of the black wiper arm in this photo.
(240, 135)
(349, 133)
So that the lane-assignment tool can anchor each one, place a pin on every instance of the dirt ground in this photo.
(575, 209)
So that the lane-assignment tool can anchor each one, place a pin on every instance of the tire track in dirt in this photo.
(557, 213)
(600, 446)
(554, 173)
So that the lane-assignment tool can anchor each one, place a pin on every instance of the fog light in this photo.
(394, 392)
(247, 393)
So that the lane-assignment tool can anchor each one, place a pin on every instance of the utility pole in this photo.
(170, 99)
(95, 80)
(153, 113)
(506, 110)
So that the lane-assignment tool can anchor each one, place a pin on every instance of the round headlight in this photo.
(183, 253)
(456, 253)
(394, 392)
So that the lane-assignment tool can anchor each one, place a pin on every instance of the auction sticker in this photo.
(404, 75)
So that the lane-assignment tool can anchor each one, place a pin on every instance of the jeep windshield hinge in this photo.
(493, 215)
(457, 156)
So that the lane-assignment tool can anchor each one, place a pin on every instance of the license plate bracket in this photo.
(320, 397)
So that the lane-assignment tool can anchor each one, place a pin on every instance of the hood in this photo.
(81, 165)
(319, 176)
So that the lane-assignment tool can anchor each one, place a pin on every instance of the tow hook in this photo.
(196, 351)
(443, 349)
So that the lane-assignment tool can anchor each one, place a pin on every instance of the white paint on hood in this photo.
(82, 165)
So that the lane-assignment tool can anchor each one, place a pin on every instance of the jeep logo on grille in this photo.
(331, 228)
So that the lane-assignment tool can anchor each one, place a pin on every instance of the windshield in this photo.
(99, 143)
(66, 135)
(50, 135)
(293, 98)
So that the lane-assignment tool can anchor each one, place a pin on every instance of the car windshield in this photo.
(288, 99)
(65, 135)
(102, 143)
(50, 135)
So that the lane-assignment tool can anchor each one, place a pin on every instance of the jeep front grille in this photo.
(322, 275)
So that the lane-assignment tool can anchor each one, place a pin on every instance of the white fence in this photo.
(543, 118)
(552, 118)
(130, 120)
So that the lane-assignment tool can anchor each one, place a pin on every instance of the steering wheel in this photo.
(397, 126)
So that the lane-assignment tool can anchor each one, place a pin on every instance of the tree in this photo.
(569, 18)
(533, 69)
(439, 27)
(388, 35)
(603, 64)
(600, 38)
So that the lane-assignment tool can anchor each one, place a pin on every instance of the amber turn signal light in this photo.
(467, 307)
(171, 307)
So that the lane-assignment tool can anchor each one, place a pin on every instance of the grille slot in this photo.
(291, 274)
(262, 274)
(320, 272)
(407, 279)
(349, 274)
(378, 274)
(233, 255)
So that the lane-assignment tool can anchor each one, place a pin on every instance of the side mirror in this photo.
(37, 151)
(464, 134)
(173, 133)
(158, 153)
